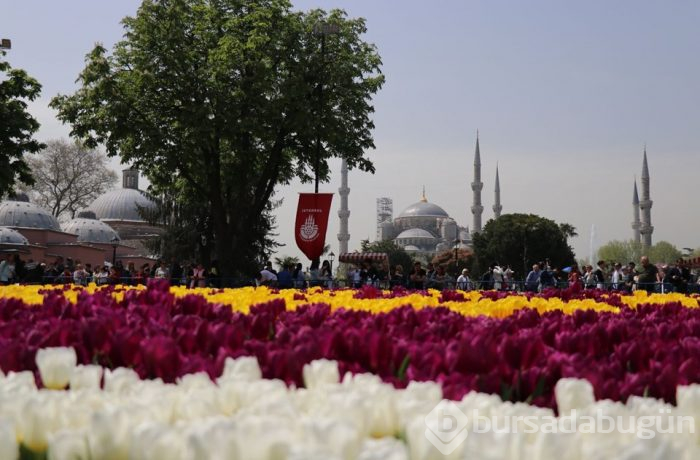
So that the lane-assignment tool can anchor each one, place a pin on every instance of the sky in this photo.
(565, 96)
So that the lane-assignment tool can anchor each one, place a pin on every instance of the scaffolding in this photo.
(385, 213)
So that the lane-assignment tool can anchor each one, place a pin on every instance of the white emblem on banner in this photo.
(309, 230)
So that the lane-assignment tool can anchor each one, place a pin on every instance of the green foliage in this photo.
(286, 261)
(629, 251)
(397, 255)
(447, 259)
(520, 240)
(17, 126)
(226, 97)
(620, 251)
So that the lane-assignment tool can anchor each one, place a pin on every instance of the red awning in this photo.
(359, 257)
(692, 263)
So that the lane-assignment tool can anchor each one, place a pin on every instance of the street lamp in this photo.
(321, 28)
(5, 44)
(331, 256)
(115, 244)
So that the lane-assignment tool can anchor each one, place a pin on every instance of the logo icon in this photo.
(446, 427)
(309, 230)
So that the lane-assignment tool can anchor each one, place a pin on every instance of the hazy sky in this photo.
(564, 94)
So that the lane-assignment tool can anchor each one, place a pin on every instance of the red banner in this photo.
(312, 222)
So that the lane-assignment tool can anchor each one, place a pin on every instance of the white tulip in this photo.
(245, 369)
(153, 441)
(573, 394)
(109, 437)
(212, 439)
(67, 445)
(56, 366)
(86, 377)
(19, 383)
(321, 372)
(9, 450)
(383, 449)
(37, 419)
(120, 380)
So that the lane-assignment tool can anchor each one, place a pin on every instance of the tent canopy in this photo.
(692, 263)
(359, 257)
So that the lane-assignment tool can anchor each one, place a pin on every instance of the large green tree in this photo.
(232, 97)
(520, 240)
(17, 126)
(629, 251)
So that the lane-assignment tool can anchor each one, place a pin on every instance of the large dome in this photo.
(27, 215)
(415, 233)
(90, 230)
(122, 204)
(423, 209)
(10, 236)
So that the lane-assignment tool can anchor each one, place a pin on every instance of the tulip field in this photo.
(155, 372)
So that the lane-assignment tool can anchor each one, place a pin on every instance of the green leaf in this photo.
(26, 454)
(401, 373)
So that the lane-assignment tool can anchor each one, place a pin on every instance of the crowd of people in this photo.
(64, 271)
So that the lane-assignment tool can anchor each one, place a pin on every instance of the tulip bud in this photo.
(8, 441)
(245, 369)
(573, 394)
(86, 378)
(68, 444)
(56, 366)
(321, 372)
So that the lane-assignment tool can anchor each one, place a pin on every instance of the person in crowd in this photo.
(7, 269)
(80, 275)
(284, 278)
(175, 272)
(266, 278)
(398, 277)
(574, 278)
(59, 265)
(101, 275)
(199, 277)
(487, 279)
(430, 275)
(214, 274)
(139, 277)
(314, 272)
(497, 275)
(268, 267)
(325, 275)
(463, 281)
(417, 277)
(298, 276)
(617, 277)
(589, 279)
(162, 272)
(114, 275)
(547, 279)
(441, 279)
(676, 278)
(647, 275)
(532, 280)
(508, 278)
(66, 277)
(599, 274)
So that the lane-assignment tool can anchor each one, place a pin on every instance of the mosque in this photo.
(424, 229)
(115, 224)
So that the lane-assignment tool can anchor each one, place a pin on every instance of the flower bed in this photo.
(427, 345)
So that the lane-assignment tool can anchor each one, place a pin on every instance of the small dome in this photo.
(90, 230)
(27, 215)
(415, 233)
(411, 248)
(10, 236)
(423, 209)
(122, 204)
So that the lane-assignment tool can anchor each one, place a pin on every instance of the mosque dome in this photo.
(127, 203)
(19, 212)
(10, 236)
(89, 229)
(423, 209)
(411, 248)
(415, 233)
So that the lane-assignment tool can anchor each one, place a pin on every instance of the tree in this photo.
(620, 251)
(664, 252)
(286, 261)
(521, 240)
(232, 97)
(629, 251)
(447, 259)
(68, 177)
(397, 255)
(17, 126)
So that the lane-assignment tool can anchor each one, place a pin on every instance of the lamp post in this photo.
(115, 244)
(321, 28)
(331, 256)
(5, 44)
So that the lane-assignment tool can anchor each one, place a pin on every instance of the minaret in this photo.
(497, 197)
(477, 185)
(635, 213)
(646, 228)
(344, 212)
